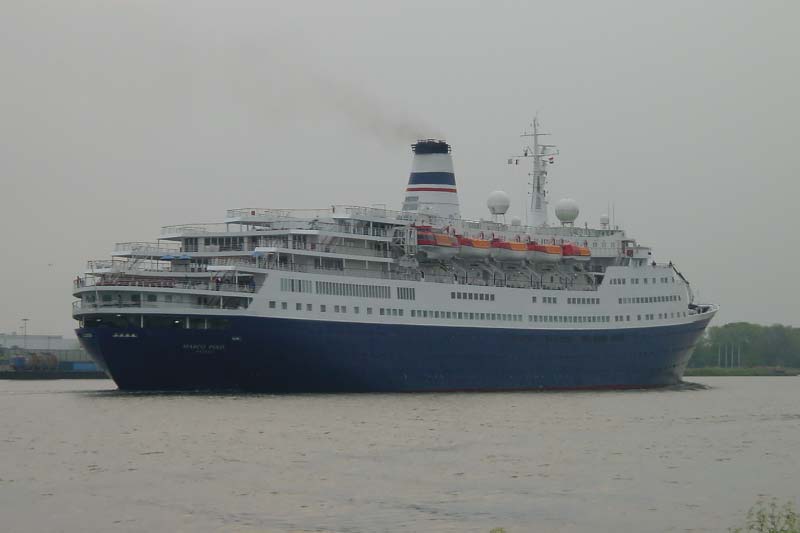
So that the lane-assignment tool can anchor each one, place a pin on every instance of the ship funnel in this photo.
(432, 183)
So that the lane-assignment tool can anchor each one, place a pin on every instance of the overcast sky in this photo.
(119, 117)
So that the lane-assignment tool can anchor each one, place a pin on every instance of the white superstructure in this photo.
(420, 265)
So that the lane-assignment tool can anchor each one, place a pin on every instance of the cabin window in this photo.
(284, 305)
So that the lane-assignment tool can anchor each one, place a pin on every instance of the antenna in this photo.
(25, 333)
(614, 215)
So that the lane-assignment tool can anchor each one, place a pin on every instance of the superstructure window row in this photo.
(480, 296)
(493, 317)
(650, 299)
(636, 281)
(569, 319)
(333, 288)
(583, 301)
(461, 315)
(225, 244)
(296, 285)
(406, 293)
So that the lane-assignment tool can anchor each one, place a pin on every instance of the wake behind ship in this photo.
(361, 299)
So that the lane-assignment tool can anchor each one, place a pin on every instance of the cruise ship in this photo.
(367, 299)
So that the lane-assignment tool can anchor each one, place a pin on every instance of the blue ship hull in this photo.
(285, 355)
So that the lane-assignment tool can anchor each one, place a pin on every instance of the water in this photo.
(80, 456)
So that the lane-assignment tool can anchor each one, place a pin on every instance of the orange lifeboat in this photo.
(544, 253)
(473, 248)
(576, 253)
(508, 250)
(436, 245)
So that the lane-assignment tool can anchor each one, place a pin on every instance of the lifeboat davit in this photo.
(436, 245)
(544, 253)
(509, 250)
(576, 253)
(470, 248)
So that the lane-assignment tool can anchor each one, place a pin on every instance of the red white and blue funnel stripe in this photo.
(432, 183)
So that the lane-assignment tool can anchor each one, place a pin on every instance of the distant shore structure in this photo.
(43, 352)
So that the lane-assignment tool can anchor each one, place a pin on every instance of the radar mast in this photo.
(541, 155)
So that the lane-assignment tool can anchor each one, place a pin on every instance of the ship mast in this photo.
(541, 155)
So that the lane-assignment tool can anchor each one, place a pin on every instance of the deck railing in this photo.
(194, 229)
(392, 216)
(79, 306)
(165, 283)
(326, 248)
(154, 249)
(276, 214)
(516, 280)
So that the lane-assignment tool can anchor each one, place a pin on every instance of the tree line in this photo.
(752, 344)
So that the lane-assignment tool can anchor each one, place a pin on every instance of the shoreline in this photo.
(44, 374)
(743, 371)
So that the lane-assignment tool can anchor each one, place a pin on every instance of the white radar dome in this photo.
(498, 202)
(604, 220)
(567, 210)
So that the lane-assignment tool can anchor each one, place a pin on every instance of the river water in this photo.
(81, 456)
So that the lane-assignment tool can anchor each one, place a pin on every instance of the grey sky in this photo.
(119, 117)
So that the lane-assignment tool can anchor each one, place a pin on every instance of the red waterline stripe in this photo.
(429, 189)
